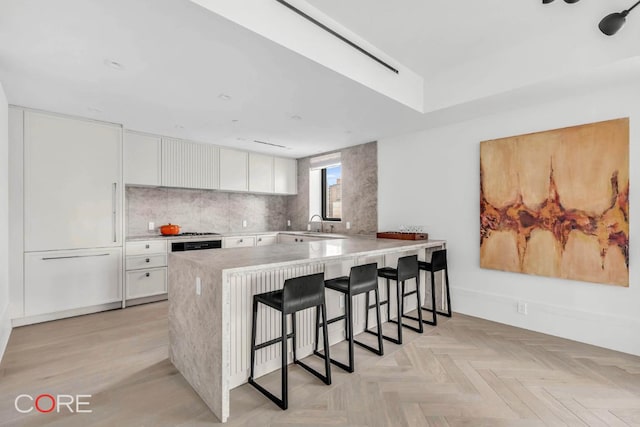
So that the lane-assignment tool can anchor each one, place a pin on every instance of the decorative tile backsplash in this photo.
(203, 210)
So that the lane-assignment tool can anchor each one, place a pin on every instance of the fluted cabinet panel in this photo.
(189, 164)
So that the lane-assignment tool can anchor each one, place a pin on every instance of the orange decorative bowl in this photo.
(170, 229)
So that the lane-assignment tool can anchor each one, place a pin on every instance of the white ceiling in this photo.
(178, 58)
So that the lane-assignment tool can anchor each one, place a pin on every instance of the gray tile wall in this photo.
(202, 210)
(359, 192)
(206, 210)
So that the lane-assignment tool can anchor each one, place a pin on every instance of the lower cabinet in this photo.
(56, 281)
(146, 270)
(265, 240)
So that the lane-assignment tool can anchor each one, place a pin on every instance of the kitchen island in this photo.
(210, 295)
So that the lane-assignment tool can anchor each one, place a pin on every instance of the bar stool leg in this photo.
(349, 327)
(285, 394)
(379, 318)
(446, 277)
(327, 360)
(293, 332)
(400, 310)
(379, 351)
(388, 301)
(253, 338)
(315, 347)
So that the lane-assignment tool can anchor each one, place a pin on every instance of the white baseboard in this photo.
(600, 329)
(5, 330)
(30, 320)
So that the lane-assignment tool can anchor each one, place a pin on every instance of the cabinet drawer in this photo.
(145, 261)
(267, 240)
(147, 282)
(146, 247)
(239, 242)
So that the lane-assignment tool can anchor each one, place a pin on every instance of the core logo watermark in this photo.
(46, 403)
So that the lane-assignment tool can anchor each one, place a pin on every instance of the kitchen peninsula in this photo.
(210, 296)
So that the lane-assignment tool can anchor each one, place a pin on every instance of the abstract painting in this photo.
(556, 203)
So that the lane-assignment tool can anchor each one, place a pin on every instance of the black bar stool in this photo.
(362, 279)
(438, 263)
(407, 269)
(297, 294)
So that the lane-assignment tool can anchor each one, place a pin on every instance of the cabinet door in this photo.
(189, 164)
(260, 173)
(72, 183)
(233, 170)
(141, 159)
(64, 280)
(288, 238)
(145, 283)
(285, 175)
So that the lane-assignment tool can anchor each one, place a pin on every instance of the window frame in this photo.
(323, 182)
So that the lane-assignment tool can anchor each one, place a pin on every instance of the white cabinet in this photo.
(285, 173)
(260, 173)
(239, 241)
(146, 270)
(290, 238)
(265, 240)
(72, 183)
(65, 280)
(141, 159)
(233, 170)
(189, 164)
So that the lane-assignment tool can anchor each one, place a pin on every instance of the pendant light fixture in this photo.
(611, 23)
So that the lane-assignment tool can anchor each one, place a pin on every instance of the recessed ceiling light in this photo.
(296, 117)
(235, 121)
(347, 131)
(224, 97)
(114, 64)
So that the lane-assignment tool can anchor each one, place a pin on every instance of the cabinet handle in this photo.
(72, 256)
(147, 274)
(147, 260)
(240, 241)
(113, 211)
(260, 239)
(296, 239)
(146, 246)
(301, 240)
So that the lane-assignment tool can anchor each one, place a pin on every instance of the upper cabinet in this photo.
(141, 159)
(260, 173)
(233, 170)
(189, 165)
(72, 183)
(167, 162)
(285, 175)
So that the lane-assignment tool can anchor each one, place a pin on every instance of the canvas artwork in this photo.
(556, 203)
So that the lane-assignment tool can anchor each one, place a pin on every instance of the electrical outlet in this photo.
(348, 225)
(244, 223)
(522, 307)
(151, 226)
(288, 223)
(198, 286)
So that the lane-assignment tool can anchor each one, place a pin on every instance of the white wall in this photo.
(434, 177)
(5, 323)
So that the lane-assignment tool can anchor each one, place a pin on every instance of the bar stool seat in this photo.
(299, 293)
(362, 280)
(407, 269)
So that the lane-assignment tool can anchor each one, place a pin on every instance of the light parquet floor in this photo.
(464, 372)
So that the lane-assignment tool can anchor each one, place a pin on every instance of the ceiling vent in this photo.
(270, 144)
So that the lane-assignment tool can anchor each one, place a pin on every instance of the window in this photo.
(332, 193)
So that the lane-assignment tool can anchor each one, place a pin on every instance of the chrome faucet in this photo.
(321, 229)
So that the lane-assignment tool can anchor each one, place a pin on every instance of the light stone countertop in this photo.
(232, 234)
(241, 260)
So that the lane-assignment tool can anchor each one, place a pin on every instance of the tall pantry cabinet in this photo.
(72, 213)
